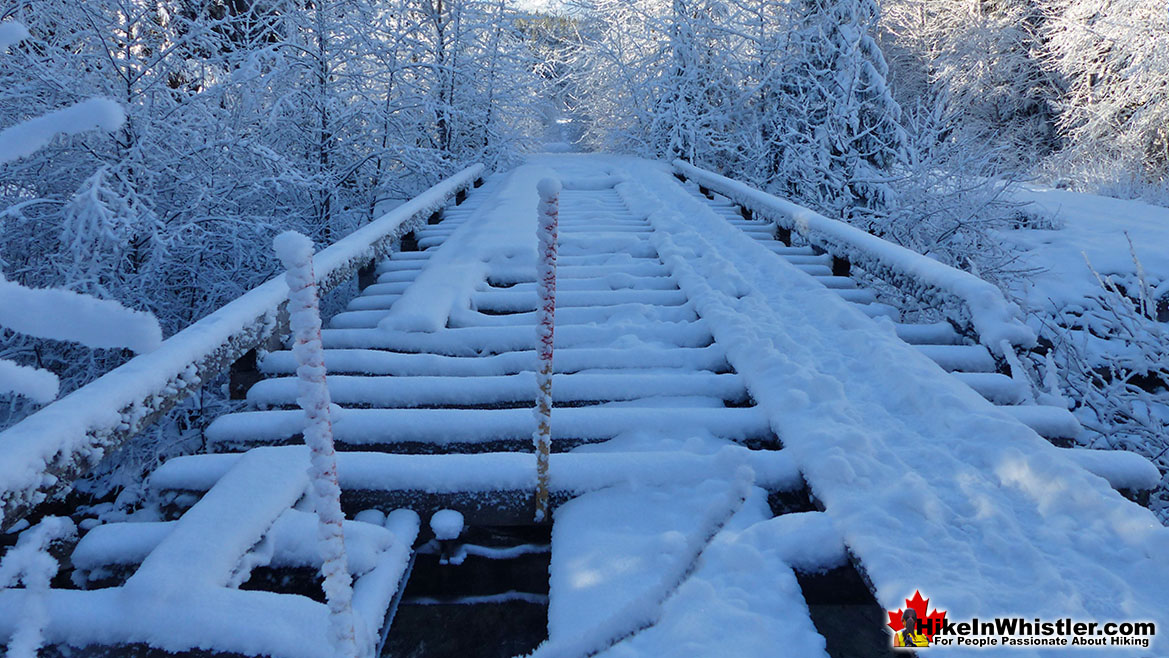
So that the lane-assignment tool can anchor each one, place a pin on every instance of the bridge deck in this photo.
(731, 416)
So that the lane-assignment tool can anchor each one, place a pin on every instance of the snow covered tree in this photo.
(694, 113)
(848, 139)
(616, 69)
(61, 314)
(1114, 57)
(986, 57)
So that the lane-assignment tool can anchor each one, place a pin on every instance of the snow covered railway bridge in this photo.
(755, 453)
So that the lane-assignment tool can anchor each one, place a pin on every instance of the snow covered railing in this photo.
(985, 309)
(42, 454)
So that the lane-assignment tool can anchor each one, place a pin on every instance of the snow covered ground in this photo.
(1088, 228)
(1100, 293)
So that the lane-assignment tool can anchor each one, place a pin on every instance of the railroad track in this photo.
(733, 433)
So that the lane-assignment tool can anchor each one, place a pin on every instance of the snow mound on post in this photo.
(30, 136)
(446, 524)
(66, 315)
(548, 188)
(291, 246)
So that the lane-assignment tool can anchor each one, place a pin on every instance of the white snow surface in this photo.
(1122, 469)
(291, 542)
(611, 547)
(28, 137)
(743, 598)
(618, 553)
(576, 472)
(1088, 228)
(194, 567)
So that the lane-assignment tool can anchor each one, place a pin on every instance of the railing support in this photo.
(296, 253)
(409, 242)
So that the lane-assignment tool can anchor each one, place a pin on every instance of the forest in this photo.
(925, 122)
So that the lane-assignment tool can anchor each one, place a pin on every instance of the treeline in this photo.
(1070, 90)
(244, 118)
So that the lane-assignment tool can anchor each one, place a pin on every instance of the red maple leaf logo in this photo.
(931, 623)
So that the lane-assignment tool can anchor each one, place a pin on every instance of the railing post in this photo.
(548, 215)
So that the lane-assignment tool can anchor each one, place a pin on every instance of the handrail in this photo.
(987, 311)
(42, 454)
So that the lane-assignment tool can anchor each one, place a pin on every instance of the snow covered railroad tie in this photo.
(743, 437)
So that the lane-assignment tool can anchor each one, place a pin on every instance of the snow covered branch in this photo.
(12, 32)
(24, 139)
(66, 315)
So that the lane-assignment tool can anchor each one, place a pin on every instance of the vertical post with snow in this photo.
(548, 214)
(296, 253)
